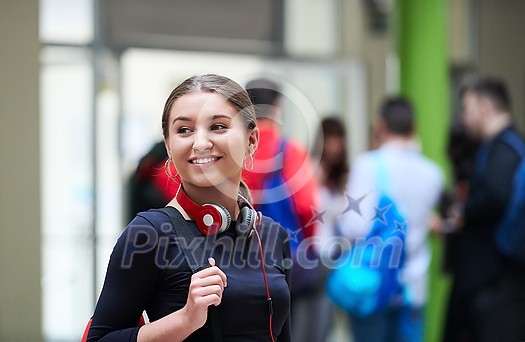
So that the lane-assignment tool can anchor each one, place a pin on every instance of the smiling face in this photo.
(208, 139)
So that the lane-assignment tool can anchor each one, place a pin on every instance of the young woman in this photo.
(210, 133)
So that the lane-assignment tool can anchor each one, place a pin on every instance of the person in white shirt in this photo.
(414, 184)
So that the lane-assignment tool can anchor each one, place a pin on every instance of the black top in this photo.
(148, 271)
(490, 190)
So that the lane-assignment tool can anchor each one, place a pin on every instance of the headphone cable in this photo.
(268, 297)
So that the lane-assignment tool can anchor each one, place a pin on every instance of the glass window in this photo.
(66, 21)
(67, 191)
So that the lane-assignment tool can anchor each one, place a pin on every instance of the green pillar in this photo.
(422, 42)
(422, 52)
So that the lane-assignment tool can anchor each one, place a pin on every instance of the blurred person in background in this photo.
(415, 184)
(461, 151)
(332, 174)
(283, 185)
(149, 185)
(487, 298)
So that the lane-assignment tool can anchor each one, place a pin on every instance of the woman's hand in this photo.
(206, 289)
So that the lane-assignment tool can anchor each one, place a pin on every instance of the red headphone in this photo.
(213, 218)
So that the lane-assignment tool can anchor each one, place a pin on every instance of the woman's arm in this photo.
(131, 283)
(131, 279)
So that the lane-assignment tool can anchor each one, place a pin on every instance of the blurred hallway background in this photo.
(84, 83)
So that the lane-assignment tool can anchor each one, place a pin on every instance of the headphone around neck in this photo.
(213, 218)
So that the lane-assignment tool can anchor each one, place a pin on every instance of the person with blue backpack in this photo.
(487, 301)
(382, 280)
(283, 185)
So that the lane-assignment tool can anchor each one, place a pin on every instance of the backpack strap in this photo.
(510, 138)
(384, 182)
(193, 258)
(282, 146)
(515, 142)
(381, 174)
(279, 160)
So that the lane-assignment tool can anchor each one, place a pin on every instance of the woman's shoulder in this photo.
(153, 216)
(269, 226)
(149, 223)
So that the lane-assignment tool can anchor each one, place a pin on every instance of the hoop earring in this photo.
(251, 162)
(167, 170)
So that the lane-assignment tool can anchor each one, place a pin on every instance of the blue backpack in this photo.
(365, 280)
(510, 234)
(276, 202)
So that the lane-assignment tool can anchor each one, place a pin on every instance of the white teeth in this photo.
(203, 160)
